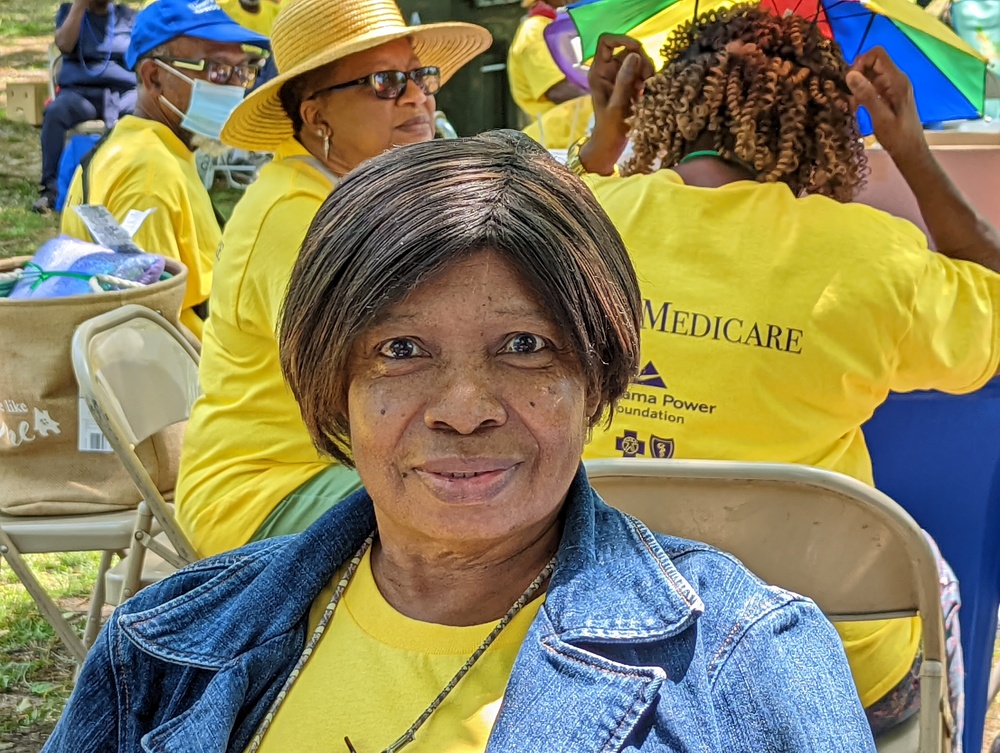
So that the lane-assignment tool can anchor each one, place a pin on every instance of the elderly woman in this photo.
(354, 81)
(777, 315)
(460, 315)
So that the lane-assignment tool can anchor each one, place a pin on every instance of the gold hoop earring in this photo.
(326, 145)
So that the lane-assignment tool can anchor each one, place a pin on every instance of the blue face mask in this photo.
(209, 107)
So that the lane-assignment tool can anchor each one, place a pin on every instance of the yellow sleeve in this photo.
(269, 261)
(158, 233)
(533, 59)
(953, 341)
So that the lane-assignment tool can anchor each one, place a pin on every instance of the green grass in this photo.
(21, 230)
(26, 18)
(36, 671)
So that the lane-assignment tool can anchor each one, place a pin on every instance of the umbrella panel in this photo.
(938, 97)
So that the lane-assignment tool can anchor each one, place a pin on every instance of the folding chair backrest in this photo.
(139, 376)
(938, 456)
(848, 547)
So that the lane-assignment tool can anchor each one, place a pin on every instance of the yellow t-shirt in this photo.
(143, 165)
(259, 22)
(532, 72)
(772, 328)
(383, 669)
(246, 447)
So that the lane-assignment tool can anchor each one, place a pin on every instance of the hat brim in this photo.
(260, 124)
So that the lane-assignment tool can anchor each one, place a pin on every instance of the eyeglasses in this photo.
(220, 73)
(392, 84)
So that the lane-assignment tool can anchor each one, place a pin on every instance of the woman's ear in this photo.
(312, 117)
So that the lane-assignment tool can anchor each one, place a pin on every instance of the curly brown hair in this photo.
(767, 91)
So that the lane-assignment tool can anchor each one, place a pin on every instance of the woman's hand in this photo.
(957, 229)
(68, 34)
(887, 94)
(616, 77)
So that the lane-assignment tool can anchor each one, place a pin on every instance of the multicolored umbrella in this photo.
(948, 75)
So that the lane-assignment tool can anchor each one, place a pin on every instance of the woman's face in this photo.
(468, 411)
(362, 125)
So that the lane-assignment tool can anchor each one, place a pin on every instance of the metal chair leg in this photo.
(97, 599)
(50, 611)
(137, 554)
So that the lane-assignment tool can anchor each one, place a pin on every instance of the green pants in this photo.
(302, 507)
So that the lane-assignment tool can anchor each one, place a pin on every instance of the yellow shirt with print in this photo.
(144, 165)
(260, 22)
(532, 72)
(773, 326)
(383, 669)
(246, 447)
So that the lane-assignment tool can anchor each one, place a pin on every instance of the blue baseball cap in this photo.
(163, 20)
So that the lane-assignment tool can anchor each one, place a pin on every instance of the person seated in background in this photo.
(559, 111)
(350, 87)
(777, 315)
(93, 82)
(460, 314)
(192, 68)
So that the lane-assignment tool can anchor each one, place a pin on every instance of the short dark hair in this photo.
(410, 213)
(291, 95)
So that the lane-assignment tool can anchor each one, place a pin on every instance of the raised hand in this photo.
(887, 94)
(617, 74)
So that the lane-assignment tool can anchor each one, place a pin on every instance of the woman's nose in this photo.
(413, 95)
(465, 404)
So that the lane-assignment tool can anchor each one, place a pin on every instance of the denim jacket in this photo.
(644, 643)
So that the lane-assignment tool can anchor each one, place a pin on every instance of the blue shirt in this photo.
(98, 59)
(644, 643)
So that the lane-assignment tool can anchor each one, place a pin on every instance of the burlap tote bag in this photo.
(51, 462)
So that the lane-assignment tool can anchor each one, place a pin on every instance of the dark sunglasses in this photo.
(220, 73)
(392, 84)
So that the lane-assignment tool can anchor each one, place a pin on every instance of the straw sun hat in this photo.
(309, 34)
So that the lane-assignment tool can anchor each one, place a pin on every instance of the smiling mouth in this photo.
(477, 485)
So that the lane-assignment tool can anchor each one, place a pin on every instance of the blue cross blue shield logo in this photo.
(629, 445)
(660, 447)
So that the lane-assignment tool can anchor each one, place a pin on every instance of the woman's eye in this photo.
(400, 348)
(524, 342)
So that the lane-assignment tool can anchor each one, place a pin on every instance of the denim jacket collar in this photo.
(613, 580)
(613, 584)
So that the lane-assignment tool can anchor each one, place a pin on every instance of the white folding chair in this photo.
(235, 162)
(106, 532)
(845, 545)
(139, 376)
